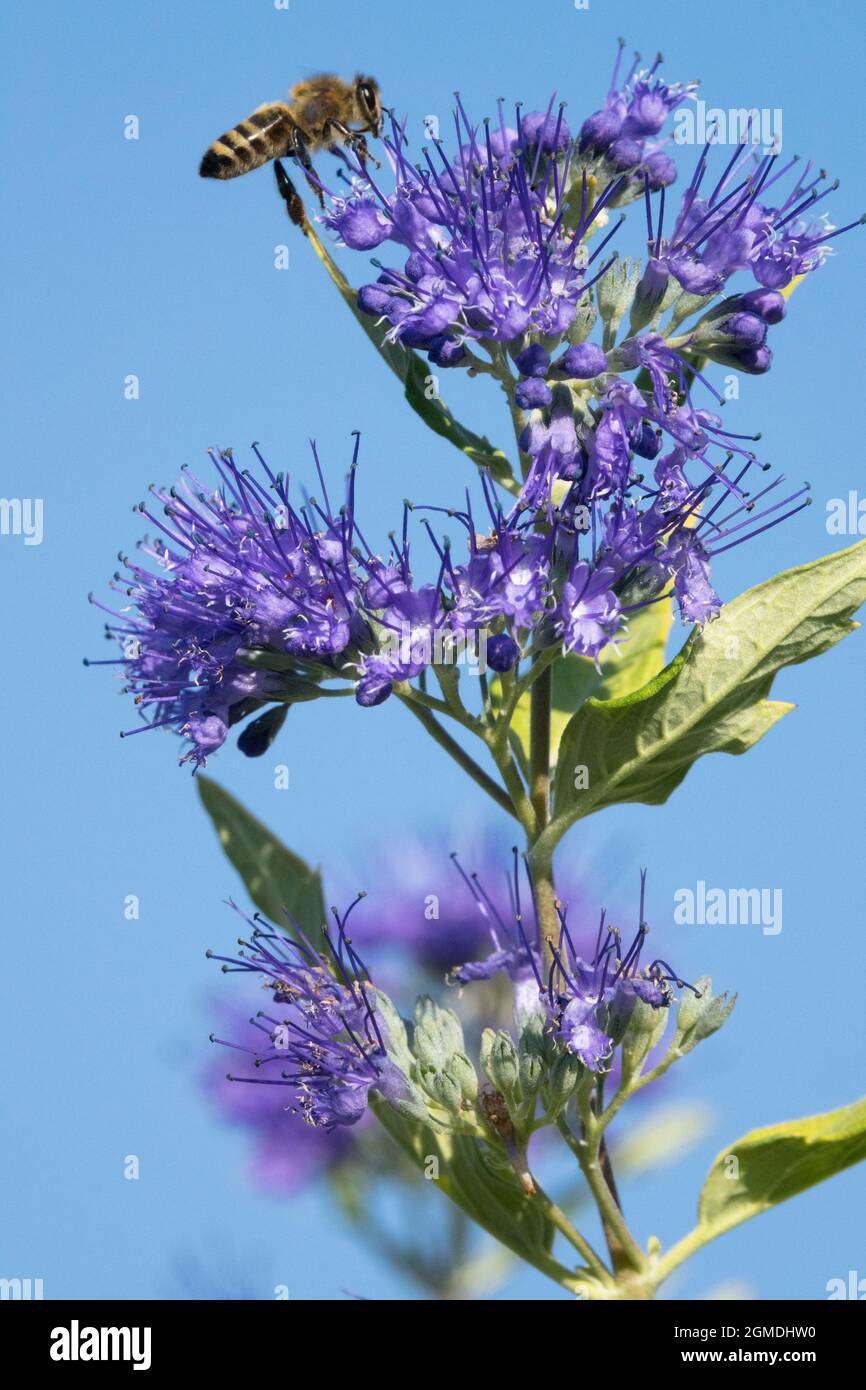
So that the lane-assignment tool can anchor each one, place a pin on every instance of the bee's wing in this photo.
(270, 126)
(264, 135)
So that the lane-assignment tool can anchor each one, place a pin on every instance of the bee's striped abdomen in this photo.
(262, 136)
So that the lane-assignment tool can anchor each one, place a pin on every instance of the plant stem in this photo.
(539, 745)
(521, 806)
(460, 756)
(624, 1250)
(674, 1257)
(559, 1219)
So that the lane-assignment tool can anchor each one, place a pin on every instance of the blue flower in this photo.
(328, 1042)
(490, 255)
(589, 1002)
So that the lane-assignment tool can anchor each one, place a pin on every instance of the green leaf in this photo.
(489, 1192)
(277, 880)
(639, 656)
(776, 1163)
(712, 696)
(414, 373)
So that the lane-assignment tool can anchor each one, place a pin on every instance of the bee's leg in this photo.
(291, 197)
(298, 150)
(354, 139)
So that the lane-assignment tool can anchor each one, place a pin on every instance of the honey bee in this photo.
(322, 113)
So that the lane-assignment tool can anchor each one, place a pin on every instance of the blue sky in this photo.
(123, 262)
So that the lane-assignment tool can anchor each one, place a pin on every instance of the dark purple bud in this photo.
(646, 114)
(503, 142)
(372, 690)
(531, 394)
(599, 130)
(374, 299)
(644, 440)
(502, 652)
(533, 361)
(550, 132)
(770, 304)
(415, 335)
(755, 361)
(446, 352)
(625, 153)
(583, 361)
(419, 329)
(259, 734)
(660, 170)
(743, 330)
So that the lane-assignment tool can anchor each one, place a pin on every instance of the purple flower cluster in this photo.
(495, 236)
(646, 534)
(585, 1003)
(621, 137)
(329, 1042)
(286, 1152)
(250, 602)
(732, 228)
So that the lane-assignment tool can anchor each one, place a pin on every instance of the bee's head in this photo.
(369, 102)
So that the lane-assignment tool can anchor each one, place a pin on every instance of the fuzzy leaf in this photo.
(277, 880)
(712, 696)
(778, 1162)
(639, 656)
(488, 1192)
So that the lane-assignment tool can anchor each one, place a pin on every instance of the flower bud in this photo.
(462, 1072)
(660, 169)
(640, 1032)
(645, 440)
(501, 1063)
(583, 322)
(533, 361)
(372, 690)
(735, 332)
(649, 295)
(624, 153)
(502, 652)
(770, 304)
(259, 734)
(599, 130)
(438, 1034)
(548, 132)
(530, 1054)
(701, 1014)
(562, 1081)
(753, 360)
(532, 394)
(583, 361)
(443, 1088)
(445, 351)
(374, 299)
